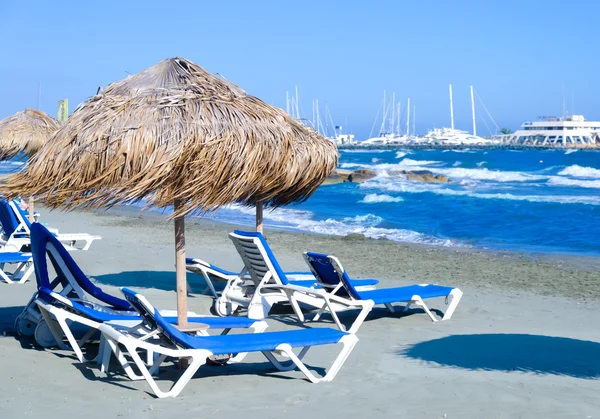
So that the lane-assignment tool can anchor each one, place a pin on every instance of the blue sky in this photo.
(519, 55)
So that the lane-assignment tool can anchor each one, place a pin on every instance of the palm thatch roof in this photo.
(175, 132)
(25, 132)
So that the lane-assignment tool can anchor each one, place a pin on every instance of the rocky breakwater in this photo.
(362, 175)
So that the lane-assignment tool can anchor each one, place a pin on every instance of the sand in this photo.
(523, 343)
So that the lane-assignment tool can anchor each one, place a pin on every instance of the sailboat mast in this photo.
(473, 112)
(414, 118)
(393, 115)
(451, 110)
(382, 129)
(408, 118)
(398, 118)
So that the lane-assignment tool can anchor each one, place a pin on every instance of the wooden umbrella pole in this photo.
(180, 268)
(30, 209)
(259, 217)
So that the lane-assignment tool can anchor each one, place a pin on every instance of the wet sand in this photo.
(522, 343)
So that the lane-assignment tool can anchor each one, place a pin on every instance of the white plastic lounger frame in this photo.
(211, 274)
(452, 299)
(69, 240)
(20, 275)
(267, 289)
(198, 357)
(59, 321)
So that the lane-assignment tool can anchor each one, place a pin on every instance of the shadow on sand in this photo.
(161, 280)
(7, 319)
(511, 352)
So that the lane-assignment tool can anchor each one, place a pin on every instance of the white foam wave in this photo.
(564, 181)
(400, 154)
(411, 162)
(456, 163)
(571, 150)
(579, 171)
(350, 165)
(374, 198)
(375, 160)
(485, 174)
(411, 187)
(361, 224)
(481, 163)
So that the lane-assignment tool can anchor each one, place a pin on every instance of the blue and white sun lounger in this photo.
(329, 270)
(270, 285)
(178, 345)
(212, 273)
(22, 271)
(61, 314)
(72, 292)
(16, 231)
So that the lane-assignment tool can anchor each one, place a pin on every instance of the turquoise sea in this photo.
(525, 200)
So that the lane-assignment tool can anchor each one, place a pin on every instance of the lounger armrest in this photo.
(365, 306)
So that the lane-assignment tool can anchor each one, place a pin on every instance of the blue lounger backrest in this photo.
(322, 266)
(40, 237)
(270, 255)
(7, 218)
(170, 335)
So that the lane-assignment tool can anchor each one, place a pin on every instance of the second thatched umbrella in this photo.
(25, 133)
(176, 135)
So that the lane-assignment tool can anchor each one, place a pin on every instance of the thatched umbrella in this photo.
(25, 132)
(176, 135)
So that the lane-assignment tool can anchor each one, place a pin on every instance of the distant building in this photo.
(572, 131)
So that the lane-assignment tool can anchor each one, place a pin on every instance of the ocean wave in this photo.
(466, 150)
(375, 198)
(350, 165)
(361, 224)
(411, 162)
(400, 154)
(456, 163)
(481, 163)
(375, 160)
(485, 174)
(579, 171)
(571, 150)
(564, 181)
(413, 187)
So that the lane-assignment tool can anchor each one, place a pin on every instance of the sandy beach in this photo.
(523, 342)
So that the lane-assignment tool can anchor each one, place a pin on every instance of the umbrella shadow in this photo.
(162, 280)
(536, 354)
(348, 317)
(8, 315)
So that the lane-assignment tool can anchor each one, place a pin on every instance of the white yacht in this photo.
(389, 132)
(454, 137)
(340, 139)
(570, 131)
(451, 136)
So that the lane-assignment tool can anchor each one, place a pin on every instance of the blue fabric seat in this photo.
(14, 257)
(226, 344)
(392, 295)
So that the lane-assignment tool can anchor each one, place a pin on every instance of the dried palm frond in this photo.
(25, 132)
(175, 132)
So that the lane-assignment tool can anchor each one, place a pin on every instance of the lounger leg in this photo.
(57, 333)
(416, 300)
(348, 342)
(390, 307)
(26, 272)
(198, 360)
(454, 297)
(5, 277)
